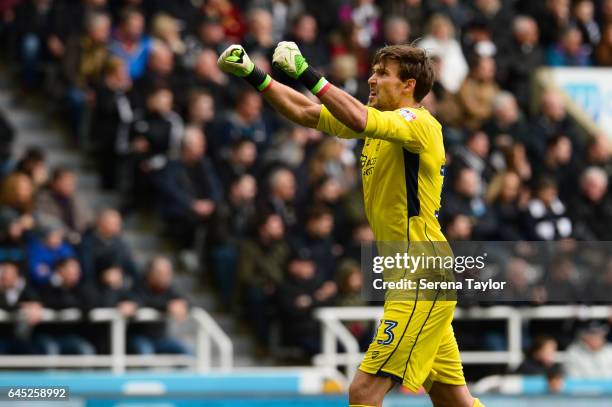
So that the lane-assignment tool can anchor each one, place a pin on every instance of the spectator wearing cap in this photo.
(541, 356)
(190, 190)
(261, 262)
(61, 201)
(157, 291)
(17, 295)
(64, 293)
(105, 241)
(45, 248)
(590, 356)
(569, 50)
(591, 210)
(112, 117)
(303, 290)
(546, 215)
(130, 43)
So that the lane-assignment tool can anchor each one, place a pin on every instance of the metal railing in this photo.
(334, 332)
(208, 333)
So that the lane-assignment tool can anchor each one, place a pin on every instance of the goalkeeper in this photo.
(402, 166)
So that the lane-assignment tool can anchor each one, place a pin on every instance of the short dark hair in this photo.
(414, 63)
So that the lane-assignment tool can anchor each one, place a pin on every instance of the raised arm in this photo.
(288, 102)
(293, 105)
(345, 108)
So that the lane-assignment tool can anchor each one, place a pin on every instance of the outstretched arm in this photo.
(345, 108)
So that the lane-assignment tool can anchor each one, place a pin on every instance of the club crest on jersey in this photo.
(407, 114)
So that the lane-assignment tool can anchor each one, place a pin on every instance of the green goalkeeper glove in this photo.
(288, 58)
(234, 60)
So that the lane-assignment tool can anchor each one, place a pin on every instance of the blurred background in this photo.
(152, 205)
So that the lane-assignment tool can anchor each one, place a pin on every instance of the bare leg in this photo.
(368, 389)
(447, 395)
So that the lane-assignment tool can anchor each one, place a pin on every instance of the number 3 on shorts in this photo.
(389, 332)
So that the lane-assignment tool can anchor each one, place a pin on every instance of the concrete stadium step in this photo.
(142, 240)
(41, 139)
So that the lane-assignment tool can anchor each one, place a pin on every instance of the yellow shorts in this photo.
(415, 345)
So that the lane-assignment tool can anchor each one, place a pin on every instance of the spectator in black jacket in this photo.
(233, 218)
(541, 356)
(104, 241)
(521, 59)
(109, 290)
(16, 295)
(591, 210)
(303, 290)
(12, 231)
(112, 117)
(320, 242)
(504, 198)
(7, 135)
(189, 190)
(260, 271)
(157, 291)
(552, 121)
(66, 292)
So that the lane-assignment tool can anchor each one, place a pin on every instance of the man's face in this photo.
(385, 86)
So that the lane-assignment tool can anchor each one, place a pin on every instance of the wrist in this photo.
(259, 79)
(314, 82)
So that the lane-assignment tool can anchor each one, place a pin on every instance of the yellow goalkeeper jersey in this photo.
(402, 167)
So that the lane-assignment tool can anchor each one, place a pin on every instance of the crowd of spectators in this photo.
(273, 210)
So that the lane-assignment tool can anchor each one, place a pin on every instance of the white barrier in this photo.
(208, 333)
(333, 332)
